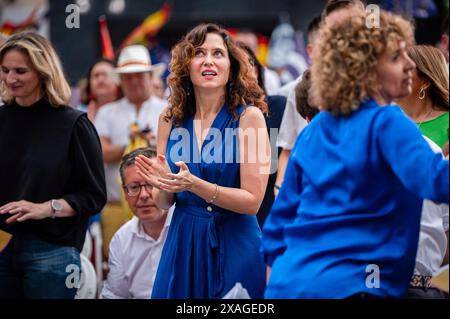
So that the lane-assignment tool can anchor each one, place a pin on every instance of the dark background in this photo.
(79, 48)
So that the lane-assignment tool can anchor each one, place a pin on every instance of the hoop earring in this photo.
(422, 93)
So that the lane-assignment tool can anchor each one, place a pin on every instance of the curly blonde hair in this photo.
(241, 89)
(43, 58)
(346, 54)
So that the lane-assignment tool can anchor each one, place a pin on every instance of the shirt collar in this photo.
(138, 229)
(129, 104)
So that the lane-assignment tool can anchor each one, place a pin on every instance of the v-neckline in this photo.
(198, 149)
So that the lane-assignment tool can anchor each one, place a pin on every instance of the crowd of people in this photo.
(335, 185)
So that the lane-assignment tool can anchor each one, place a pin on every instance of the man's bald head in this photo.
(249, 38)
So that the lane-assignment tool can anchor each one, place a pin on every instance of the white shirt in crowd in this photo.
(292, 122)
(432, 239)
(271, 81)
(114, 121)
(133, 261)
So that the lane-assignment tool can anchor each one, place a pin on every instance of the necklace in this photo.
(426, 116)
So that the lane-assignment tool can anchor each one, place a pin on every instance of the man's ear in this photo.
(444, 41)
(309, 49)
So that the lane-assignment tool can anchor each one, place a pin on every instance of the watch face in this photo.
(56, 205)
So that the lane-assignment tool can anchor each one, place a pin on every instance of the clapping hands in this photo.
(156, 171)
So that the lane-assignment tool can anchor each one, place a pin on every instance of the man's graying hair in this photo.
(334, 5)
(129, 159)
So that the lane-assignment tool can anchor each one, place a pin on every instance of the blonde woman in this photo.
(51, 171)
(427, 105)
(346, 221)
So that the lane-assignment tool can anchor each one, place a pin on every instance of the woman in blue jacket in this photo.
(346, 221)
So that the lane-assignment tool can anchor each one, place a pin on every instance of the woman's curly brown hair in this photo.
(241, 89)
(346, 54)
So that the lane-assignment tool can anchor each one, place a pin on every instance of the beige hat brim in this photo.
(156, 69)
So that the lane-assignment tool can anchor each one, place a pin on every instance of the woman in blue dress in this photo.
(215, 142)
(346, 220)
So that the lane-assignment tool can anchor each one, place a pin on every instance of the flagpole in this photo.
(107, 48)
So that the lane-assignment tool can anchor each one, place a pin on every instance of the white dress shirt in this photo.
(432, 239)
(114, 120)
(292, 122)
(271, 81)
(133, 261)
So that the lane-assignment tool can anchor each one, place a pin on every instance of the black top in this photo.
(276, 104)
(49, 153)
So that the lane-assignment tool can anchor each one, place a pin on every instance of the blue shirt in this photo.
(348, 212)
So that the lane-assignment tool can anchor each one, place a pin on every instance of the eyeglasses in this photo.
(134, 189)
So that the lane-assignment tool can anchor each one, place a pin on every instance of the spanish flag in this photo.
(107, 48)
(263, 49)
(9, 27)
(150, 26)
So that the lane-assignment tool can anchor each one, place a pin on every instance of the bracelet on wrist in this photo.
(215, 195)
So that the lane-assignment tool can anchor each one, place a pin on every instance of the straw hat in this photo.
(136, 59)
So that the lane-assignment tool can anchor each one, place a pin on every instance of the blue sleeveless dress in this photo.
(208, 249)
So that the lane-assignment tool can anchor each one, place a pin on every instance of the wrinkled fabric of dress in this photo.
(209, 249)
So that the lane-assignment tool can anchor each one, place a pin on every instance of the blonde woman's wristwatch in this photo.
(56, 207)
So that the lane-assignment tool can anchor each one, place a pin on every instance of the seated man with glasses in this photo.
(135, 249)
